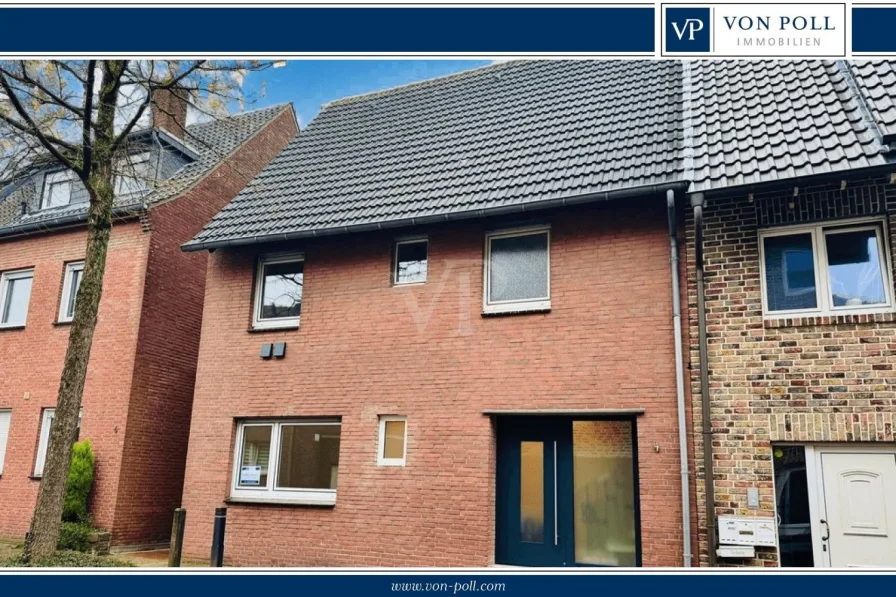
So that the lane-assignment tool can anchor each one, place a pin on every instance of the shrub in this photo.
(79, 483)
(75, 536)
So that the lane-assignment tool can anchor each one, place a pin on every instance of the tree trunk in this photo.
(41, 541)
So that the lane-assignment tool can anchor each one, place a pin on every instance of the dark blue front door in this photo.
(532, 516)
(566, 492)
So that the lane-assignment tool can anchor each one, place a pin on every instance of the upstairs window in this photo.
(517, 270)
(70, 286)
(135, 175)
(278, 291)
(410, 261)
(58, 187)
(15, 294)
(826, 269)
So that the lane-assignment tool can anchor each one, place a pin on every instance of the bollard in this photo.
(217, 559)
(177, 538)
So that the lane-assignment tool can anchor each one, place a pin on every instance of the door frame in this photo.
(570, 417)
(815, 479)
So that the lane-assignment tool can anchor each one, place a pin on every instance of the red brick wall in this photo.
(366, 348)
(31, 364)
(161, 401)
(140, 381)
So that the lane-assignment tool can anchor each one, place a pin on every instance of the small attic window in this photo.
(134, 176)
(57, 189)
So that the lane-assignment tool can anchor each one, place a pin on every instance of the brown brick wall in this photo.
(366, 348)
(31, 364)
(804, 380)
(168, 346)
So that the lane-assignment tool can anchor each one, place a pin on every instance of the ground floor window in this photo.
(296, 460)
(46, 425)
(792, 505)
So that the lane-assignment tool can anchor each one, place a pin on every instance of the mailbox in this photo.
(736, 530)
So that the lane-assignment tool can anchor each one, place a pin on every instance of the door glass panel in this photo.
(603, 482)
(532, 492)
(792, 504)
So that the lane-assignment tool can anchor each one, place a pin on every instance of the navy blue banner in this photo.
(168, 30)
(767, 584)
(872, 29)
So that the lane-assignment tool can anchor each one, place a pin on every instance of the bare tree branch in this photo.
(149, 91)
(31, 127)
(87, 146)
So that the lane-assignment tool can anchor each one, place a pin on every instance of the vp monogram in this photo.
(691, 26)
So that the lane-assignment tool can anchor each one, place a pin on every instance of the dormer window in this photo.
(57, 189)
(134, 176)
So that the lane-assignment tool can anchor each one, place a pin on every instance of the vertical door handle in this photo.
(827, 530)
(556, 531)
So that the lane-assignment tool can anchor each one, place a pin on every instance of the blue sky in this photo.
(310, 83)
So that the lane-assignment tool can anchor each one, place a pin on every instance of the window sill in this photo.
(10, 328)
(281, 503)
(63, 323)
(282, 328)
(516, 310)
(35, 477)
(771, 322)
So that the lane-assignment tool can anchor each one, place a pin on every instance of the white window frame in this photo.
(519, 305)
(5, 424)
(57, 177)
(258, 322)
(44, 441)
(823, 296)
(270, 492)
(409, 241)
(5, 278)
(381, 460)
(67, 289)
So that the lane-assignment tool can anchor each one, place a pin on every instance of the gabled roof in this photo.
(773, 120)
(209, 143)
(503, 136)
(524, 135)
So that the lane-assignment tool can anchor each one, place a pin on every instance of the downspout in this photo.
(697, 205)
(679, 382)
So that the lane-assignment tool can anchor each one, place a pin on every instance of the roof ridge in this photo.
(457, 75)
(280, 106)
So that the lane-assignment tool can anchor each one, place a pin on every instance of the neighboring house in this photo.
(139, 389)
(439, 327)
(795, 166)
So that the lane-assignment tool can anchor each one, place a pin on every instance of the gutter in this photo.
(123, 211)
(679, 382)
(641, 191)
(697, 202)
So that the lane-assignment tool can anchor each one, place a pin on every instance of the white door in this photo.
(858, 508)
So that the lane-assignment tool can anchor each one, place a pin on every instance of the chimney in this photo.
(169, 110)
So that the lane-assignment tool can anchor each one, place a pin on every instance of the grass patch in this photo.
(71, 559)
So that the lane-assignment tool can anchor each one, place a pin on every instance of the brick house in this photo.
(441, 328)
(793, 165)
(438, 330)
(138, 394)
